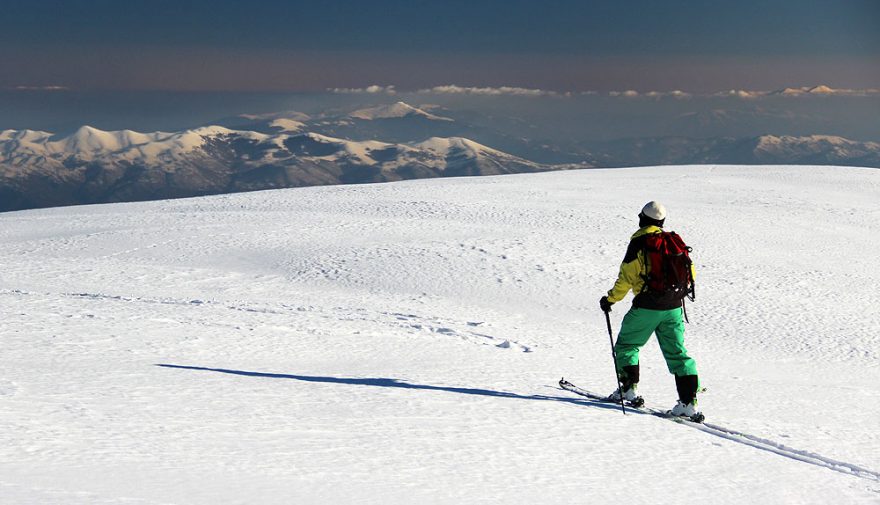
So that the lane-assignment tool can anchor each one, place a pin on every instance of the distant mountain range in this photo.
(94, 166)
(376, 144)
(761, 150)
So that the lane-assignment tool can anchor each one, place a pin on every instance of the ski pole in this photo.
(614, 357)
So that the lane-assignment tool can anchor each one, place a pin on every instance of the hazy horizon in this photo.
(586, 117)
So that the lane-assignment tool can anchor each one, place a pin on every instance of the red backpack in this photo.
(669, 266)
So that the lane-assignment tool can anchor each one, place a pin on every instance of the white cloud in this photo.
(740, 93)
(452, 89)
(375, 89)
(824, 90)
(676, 93)
(630, 93)
(41, 88)
(802, 91)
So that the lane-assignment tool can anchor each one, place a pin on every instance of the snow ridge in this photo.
(215, 159)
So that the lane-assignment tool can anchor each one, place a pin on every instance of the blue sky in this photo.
(273, 45)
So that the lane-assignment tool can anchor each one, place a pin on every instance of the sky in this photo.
(589, 69)
(310, 46)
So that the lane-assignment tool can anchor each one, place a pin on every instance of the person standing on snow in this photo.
(652, 311)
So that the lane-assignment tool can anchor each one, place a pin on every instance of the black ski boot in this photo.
(687, 398)
(629, 383)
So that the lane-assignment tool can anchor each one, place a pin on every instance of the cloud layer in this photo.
(453, 89)
(41, 88)
(820, 90)
(375, 89)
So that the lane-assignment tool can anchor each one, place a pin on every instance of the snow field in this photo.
(400, 343)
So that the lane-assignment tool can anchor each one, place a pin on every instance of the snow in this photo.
(788, 146)
(400, 343)
(395, 110)
(822, 90)
(88, 143)
(287, 125)
(446, 145)
(26, 153)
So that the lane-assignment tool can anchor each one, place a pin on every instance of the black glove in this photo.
(605, 304)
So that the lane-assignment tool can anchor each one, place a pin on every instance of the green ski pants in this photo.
(637, 327)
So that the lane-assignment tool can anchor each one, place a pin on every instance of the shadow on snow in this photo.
(394, 383)
(719, 431)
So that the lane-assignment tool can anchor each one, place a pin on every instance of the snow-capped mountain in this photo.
(274, 122)
(386, 114)
(821, 90)
(764, 149)
(382, 143)
(822, 149)
(88, 144)
(397, 122)
(37, 169)
(728, 134)
(806, 90)
(395, 110)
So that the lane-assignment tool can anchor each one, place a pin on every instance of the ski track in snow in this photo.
(788, 452)
(394, 343)
(747, 439)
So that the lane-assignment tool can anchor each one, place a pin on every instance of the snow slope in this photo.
(400, 343)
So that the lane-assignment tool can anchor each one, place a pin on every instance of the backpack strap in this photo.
(643, 242)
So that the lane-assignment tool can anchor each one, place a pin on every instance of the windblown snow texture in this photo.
(401, 343)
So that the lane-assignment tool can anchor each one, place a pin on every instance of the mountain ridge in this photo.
(96, 166)
(292, 149)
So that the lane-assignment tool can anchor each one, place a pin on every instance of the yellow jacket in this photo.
(633, 271)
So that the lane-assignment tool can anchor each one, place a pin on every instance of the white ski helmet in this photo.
(654, 210)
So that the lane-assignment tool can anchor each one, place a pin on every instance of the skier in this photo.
(652, 312)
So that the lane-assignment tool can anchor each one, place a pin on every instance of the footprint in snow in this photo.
(7, 388)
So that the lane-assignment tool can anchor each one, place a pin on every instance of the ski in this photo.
(638, 404)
